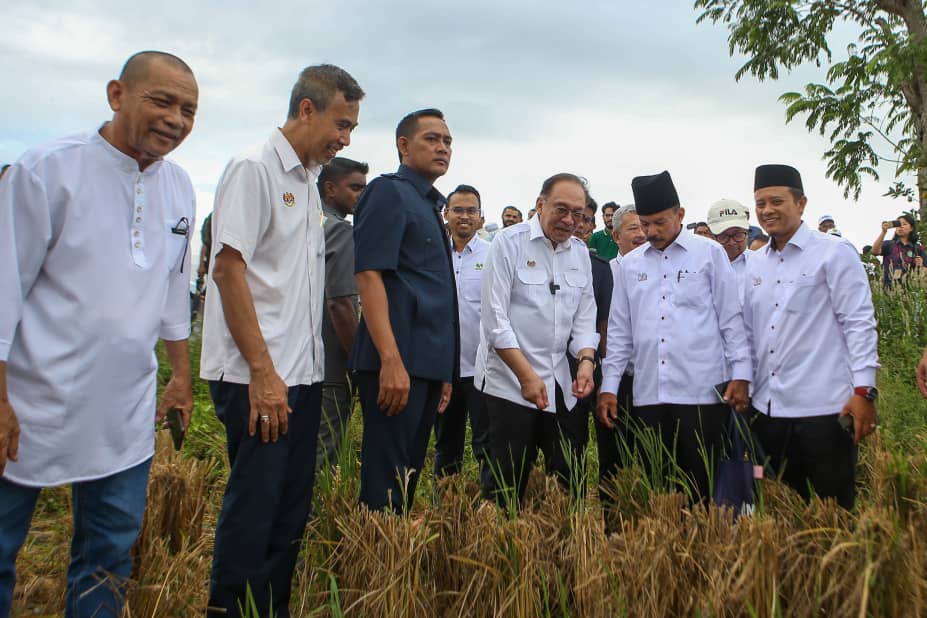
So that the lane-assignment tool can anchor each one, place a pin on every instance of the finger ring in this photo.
(265, 418)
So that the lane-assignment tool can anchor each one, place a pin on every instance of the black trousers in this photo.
(266, 502)
(692, 436)
(612, 444)
(393, 447)
(814, 455)
(451, 431)
(516, 432)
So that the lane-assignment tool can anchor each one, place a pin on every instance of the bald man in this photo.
(95, 268)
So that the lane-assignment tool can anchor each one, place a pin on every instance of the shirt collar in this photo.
(123, 161)
(331, 211)
(534, 225)
(470, 247)
(800, 239)
(289, 160)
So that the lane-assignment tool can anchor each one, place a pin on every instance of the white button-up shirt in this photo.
(740, 266)
(268, 208)
(810, 324)
(468, 273)
(519, 310)
(94, 268)
(676, 315)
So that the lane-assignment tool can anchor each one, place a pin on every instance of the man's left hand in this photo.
(177, 394)
(584, 382)
(737, 395)
(865, 418)
(445, 397)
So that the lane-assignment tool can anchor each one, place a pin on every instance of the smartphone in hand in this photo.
(175, 424)
(720, 389)
(846, 423)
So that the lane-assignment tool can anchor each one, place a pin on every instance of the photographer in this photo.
(901, 255)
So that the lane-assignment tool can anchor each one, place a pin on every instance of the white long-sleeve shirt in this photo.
(469, 266)
(810, 324)
(519, 309)
(94, 268)
(676, 316)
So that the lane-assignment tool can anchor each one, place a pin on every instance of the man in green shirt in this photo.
(602, 242)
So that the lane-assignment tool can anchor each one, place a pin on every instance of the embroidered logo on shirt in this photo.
(478, 266)
(531, 263)
(642, 276)
(288, 200)
(757, 281)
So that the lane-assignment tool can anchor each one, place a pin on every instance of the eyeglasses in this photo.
(727, 237)
(576, 215)
(460, 210)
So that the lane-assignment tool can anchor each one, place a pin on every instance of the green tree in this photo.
(873, 106)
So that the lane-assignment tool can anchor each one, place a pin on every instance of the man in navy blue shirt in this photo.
(405, 354)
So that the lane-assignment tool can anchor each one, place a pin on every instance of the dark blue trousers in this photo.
(451, 432)
(393, 447)
(266, 503)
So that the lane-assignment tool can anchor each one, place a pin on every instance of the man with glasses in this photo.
(538, 304)
(728, 222)
(464, 216)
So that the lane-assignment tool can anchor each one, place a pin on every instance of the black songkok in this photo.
(775, 175)
(653, 194)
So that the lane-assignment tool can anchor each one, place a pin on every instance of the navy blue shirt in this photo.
(399, 232)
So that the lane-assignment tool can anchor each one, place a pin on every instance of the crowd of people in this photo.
(524, 332)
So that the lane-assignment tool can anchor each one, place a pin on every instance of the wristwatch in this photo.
(586, 358)
(869, 392)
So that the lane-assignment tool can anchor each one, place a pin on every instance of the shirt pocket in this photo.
(692, 290)
(575, 281)
(532, 284)
(470, 289)
(175, 244)
(804, 293)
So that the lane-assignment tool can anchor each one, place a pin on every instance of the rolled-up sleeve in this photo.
(852, 301)
(496, 295)
(25, 232)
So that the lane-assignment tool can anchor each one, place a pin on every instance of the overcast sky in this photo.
(609, 90)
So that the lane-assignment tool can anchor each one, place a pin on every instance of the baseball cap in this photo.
(825, 218)
(725, 214)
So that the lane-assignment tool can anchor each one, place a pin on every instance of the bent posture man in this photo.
(94, 268)
(262, 339)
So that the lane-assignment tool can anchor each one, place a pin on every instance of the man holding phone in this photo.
(811, 328)
(94, 269)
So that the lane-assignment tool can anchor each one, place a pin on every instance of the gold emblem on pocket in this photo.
(531, 263)
(288, 200)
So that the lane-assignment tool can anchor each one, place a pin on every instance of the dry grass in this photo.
(463, 557)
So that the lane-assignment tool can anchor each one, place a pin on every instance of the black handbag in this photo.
(737, 470)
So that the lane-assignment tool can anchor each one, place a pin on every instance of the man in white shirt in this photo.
(728, 221)
(262, 340)
(810, 323)
(537, 302)
(463, 215)
(675, 315)
(94, 269)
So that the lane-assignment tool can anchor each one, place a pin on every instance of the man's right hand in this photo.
(534, 391)
(608, 409)
(9, 434)
(394, 387)
(267, 394)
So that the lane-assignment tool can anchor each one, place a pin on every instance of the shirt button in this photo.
(781, 260)
(664, 276)
(138, 219)
(139, 209)
(665, 257)
(770, 351)
(135, 233)
(662, 340)
(663, 297)
(772, 373)
(138, 190)
(662, 318)
(777, 304)
(662, 362)
(778, 281)
(137, 245)
(773, 327)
